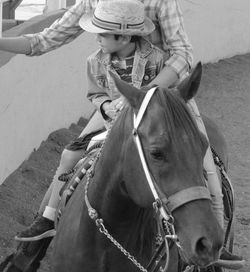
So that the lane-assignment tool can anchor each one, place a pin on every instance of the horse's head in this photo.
(173, 149)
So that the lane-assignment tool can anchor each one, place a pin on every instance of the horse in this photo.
(149, 169)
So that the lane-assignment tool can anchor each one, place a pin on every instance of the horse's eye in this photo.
(157, 154)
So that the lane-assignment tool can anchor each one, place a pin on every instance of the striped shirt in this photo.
(123, 67)
(169, 34)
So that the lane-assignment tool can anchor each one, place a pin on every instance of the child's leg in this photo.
(68, 160)
(72, 155)
(95, 123)
(66, 163)
(214, 184)
(46, 198)
(43, 226)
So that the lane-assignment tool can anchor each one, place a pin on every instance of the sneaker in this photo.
(39, 229)
(230, 261)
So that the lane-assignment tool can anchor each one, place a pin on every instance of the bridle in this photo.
(163, 205)
(178, 199)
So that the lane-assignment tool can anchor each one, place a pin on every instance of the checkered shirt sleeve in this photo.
(62, 31)
(171, 36)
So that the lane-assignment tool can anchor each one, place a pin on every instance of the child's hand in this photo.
(119, 103)
(111, 108)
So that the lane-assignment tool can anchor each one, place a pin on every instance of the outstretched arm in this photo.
(18, 45)
(62, 31)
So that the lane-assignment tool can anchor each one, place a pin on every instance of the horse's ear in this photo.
(190, 85)
(133, 95)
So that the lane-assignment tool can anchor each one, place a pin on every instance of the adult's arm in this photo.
(174, 42)
(62, 31)
(18, 45)
(166, 78)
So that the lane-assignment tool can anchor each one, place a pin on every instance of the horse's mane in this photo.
(178, 115)
(142, 234)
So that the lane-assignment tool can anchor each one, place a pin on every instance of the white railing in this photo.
(1, 15)
(51, 5)
(56, 4)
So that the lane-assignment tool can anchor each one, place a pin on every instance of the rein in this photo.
(162, 205)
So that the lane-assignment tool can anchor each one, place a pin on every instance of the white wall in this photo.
(217, 28)
(53, 5)
(29, 8)
(39, 95)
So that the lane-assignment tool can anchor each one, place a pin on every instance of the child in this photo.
(119, 27)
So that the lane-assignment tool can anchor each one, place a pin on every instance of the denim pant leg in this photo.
(214, 183)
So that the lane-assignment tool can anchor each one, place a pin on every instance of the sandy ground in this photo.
(224, 96)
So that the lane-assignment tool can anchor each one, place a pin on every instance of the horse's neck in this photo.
(105, 192)
(129, 223)
(105, 189)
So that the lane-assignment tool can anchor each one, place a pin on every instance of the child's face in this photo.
(109, 44)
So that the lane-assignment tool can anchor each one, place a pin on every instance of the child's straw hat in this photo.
(124, 17)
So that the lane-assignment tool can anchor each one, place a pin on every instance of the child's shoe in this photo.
(41, 228)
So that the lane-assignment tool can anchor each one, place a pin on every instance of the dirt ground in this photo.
(224, 96)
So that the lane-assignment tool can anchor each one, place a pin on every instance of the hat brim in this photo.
(86, 24)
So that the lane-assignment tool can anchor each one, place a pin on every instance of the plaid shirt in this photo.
(169, 34)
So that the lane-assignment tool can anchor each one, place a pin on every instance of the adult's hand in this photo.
(18, 45)
(166, 78)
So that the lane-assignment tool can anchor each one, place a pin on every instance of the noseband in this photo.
(163, 205)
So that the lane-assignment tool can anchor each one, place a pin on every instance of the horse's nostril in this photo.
(203, 248)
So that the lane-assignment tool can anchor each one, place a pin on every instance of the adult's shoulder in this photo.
(157, 5)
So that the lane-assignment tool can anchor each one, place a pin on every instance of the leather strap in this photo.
(187, 195)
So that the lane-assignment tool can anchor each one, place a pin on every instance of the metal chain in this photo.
(104, 231)
(190, 268)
